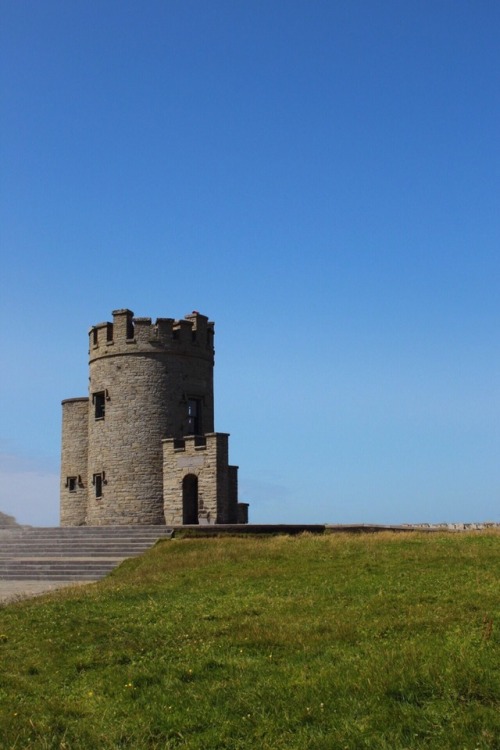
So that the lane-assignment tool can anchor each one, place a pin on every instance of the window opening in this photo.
(97, 481)
(100, 404)
(71, 483)
(194, 417)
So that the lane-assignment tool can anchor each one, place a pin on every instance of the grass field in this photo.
(313, 642)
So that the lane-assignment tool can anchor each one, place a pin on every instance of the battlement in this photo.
(193, 334)
(191, 444)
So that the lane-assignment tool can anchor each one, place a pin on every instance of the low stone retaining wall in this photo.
(414, 527)
(457, 526)
(360, 528)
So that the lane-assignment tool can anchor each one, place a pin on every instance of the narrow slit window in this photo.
(98, 485)
(100, 404)
(71, 484)
(194, 417)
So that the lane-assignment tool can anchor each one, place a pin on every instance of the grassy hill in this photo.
(314, 642)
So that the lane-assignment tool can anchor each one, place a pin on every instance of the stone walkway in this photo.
(11, 591)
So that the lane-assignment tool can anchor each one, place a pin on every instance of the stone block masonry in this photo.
(203, 465)
(75, 417)
(149, 383)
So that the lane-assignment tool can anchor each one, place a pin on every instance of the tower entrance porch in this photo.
(190, 499)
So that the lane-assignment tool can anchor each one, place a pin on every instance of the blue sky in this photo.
(322, 180)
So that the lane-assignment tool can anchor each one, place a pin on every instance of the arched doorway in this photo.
(190, 499)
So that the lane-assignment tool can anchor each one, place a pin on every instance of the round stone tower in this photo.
(148, 381)
(75, 417)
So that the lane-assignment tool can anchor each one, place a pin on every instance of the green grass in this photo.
(313, 642)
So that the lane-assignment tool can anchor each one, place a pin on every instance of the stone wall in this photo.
(8, 521)
(147, 374)
(207, 460)
(73, 490)
(148, 382)
(471, 526)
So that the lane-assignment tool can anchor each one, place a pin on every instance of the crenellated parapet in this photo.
(193, 336)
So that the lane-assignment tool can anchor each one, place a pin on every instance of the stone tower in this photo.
(141, 449)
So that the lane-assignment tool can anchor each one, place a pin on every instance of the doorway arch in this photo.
(190, 499)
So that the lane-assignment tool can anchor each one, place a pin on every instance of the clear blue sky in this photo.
(319, 177)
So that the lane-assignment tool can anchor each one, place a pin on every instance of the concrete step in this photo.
(90, 532)
(72, 553)
(10, 569)
(90, 542)
(78, 554)
(4, 540)
(48, 555)
(72, 530)
(54, 576)
(75, 549)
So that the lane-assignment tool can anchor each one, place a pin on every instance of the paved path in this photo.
(11, 591)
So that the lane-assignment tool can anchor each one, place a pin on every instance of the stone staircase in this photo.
(72, 553)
